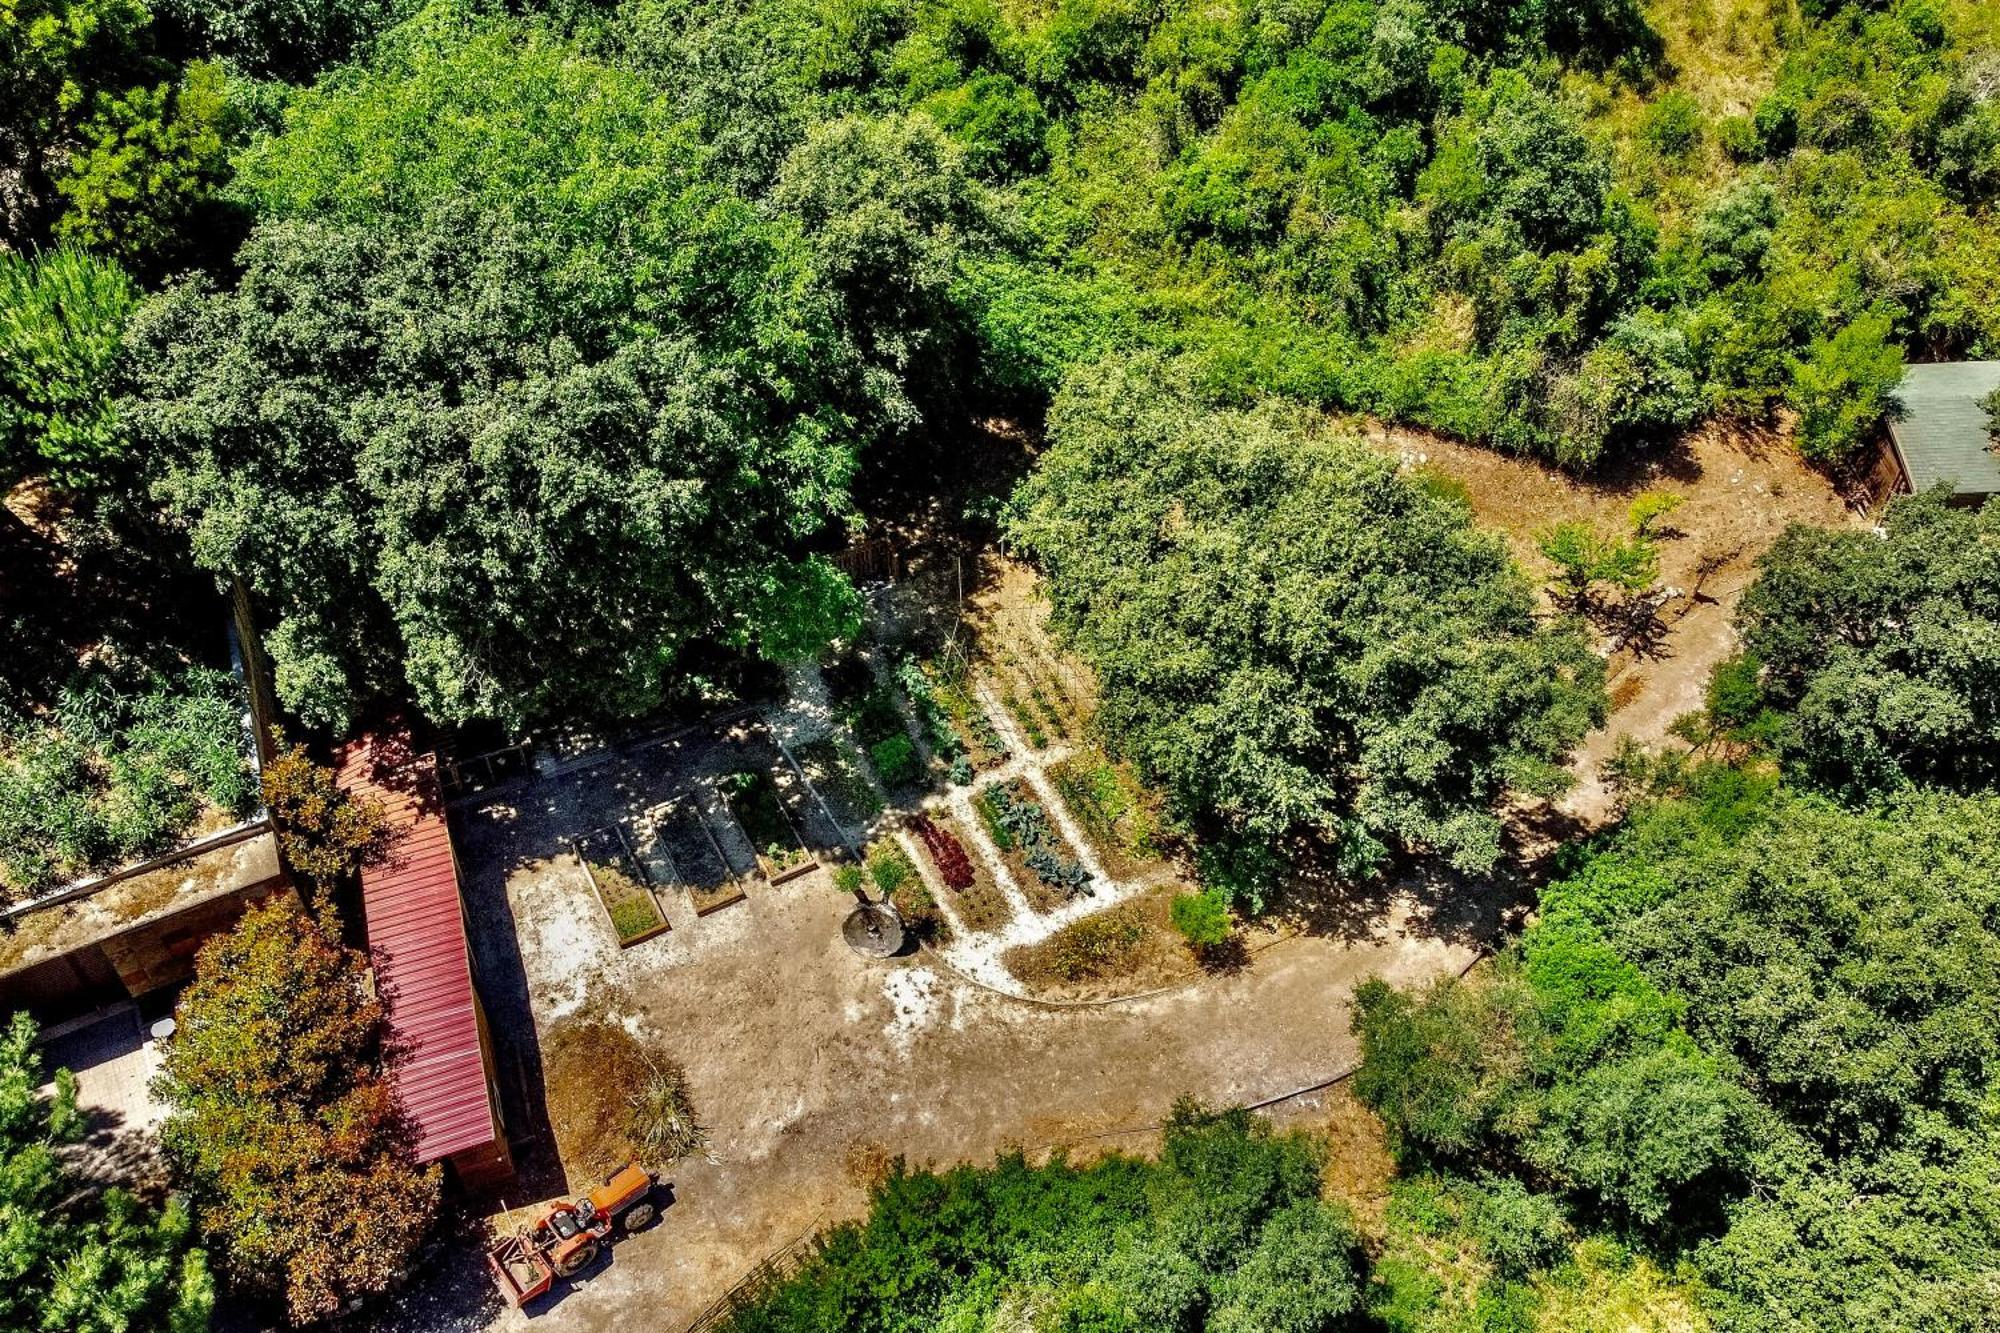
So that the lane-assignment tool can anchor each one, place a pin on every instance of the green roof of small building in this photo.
(1942, 433)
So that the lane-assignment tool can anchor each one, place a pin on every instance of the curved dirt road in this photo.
(812, 1067)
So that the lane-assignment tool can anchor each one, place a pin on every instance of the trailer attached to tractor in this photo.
(566, 1234)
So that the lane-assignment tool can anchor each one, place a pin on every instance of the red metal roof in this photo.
(416, 942)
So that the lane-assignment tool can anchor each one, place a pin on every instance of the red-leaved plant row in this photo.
(945, 850)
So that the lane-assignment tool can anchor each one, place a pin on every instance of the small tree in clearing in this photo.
(283, 1127)
(1582, 557)
(1648, 508)
(1202, 919)
(326, 835)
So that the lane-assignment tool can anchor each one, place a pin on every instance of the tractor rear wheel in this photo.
(640, 1215)
(576, 1260)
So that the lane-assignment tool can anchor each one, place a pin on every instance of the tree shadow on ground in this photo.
(1436, 901)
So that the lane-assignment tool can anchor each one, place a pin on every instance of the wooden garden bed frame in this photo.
(633, 872)
(704, 901)
(773, 874)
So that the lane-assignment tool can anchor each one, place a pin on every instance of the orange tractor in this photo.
(567, 1233)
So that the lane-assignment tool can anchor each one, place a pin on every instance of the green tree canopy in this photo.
(1882, 655)
(74, 1263)
(492, 416)
(1760, 1027)
(1287, 633)
(1227, 1233)
(62, 320)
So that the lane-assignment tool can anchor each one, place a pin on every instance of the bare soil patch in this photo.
(1358, 1168)
(604, 1090)
(1741, 487)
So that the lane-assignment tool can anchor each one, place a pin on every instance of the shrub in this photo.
(115, 772)
(848, 877)
(889, 867)
(895, 761)
(78, 1261)
(62, 321)
(1201, 918)
(325, 834)
(1844, 385)
(1583, 557)
(1096, 945)
(1649, 508)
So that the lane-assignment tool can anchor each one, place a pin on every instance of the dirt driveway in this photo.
(812, 1067)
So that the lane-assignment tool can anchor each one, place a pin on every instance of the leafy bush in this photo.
(115, 771)
(1202, 919)
(1225, 1231)
(895, 760)
(1095, 946)
(1748, 1009)
(325, 834)
(1847, 633)
(1582, 557)
(1844, 385)
(280, 1045)
(62, 320)
(889, 867)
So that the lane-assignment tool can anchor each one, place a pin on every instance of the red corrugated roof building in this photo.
(415, 919)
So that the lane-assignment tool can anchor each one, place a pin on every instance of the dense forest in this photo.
(520, 363)
(528, 363)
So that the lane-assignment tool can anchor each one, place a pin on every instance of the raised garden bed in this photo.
(836, 773)
(1044, 864)
(980, 903)
(944, 700)
(872, 709)
(760, 812)
(1035, 692)
(621, 886)
(1114, 809)
(677, 846)
(1122, 950)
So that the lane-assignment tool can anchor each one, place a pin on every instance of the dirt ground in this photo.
(1741, 488)
(811, 1067)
